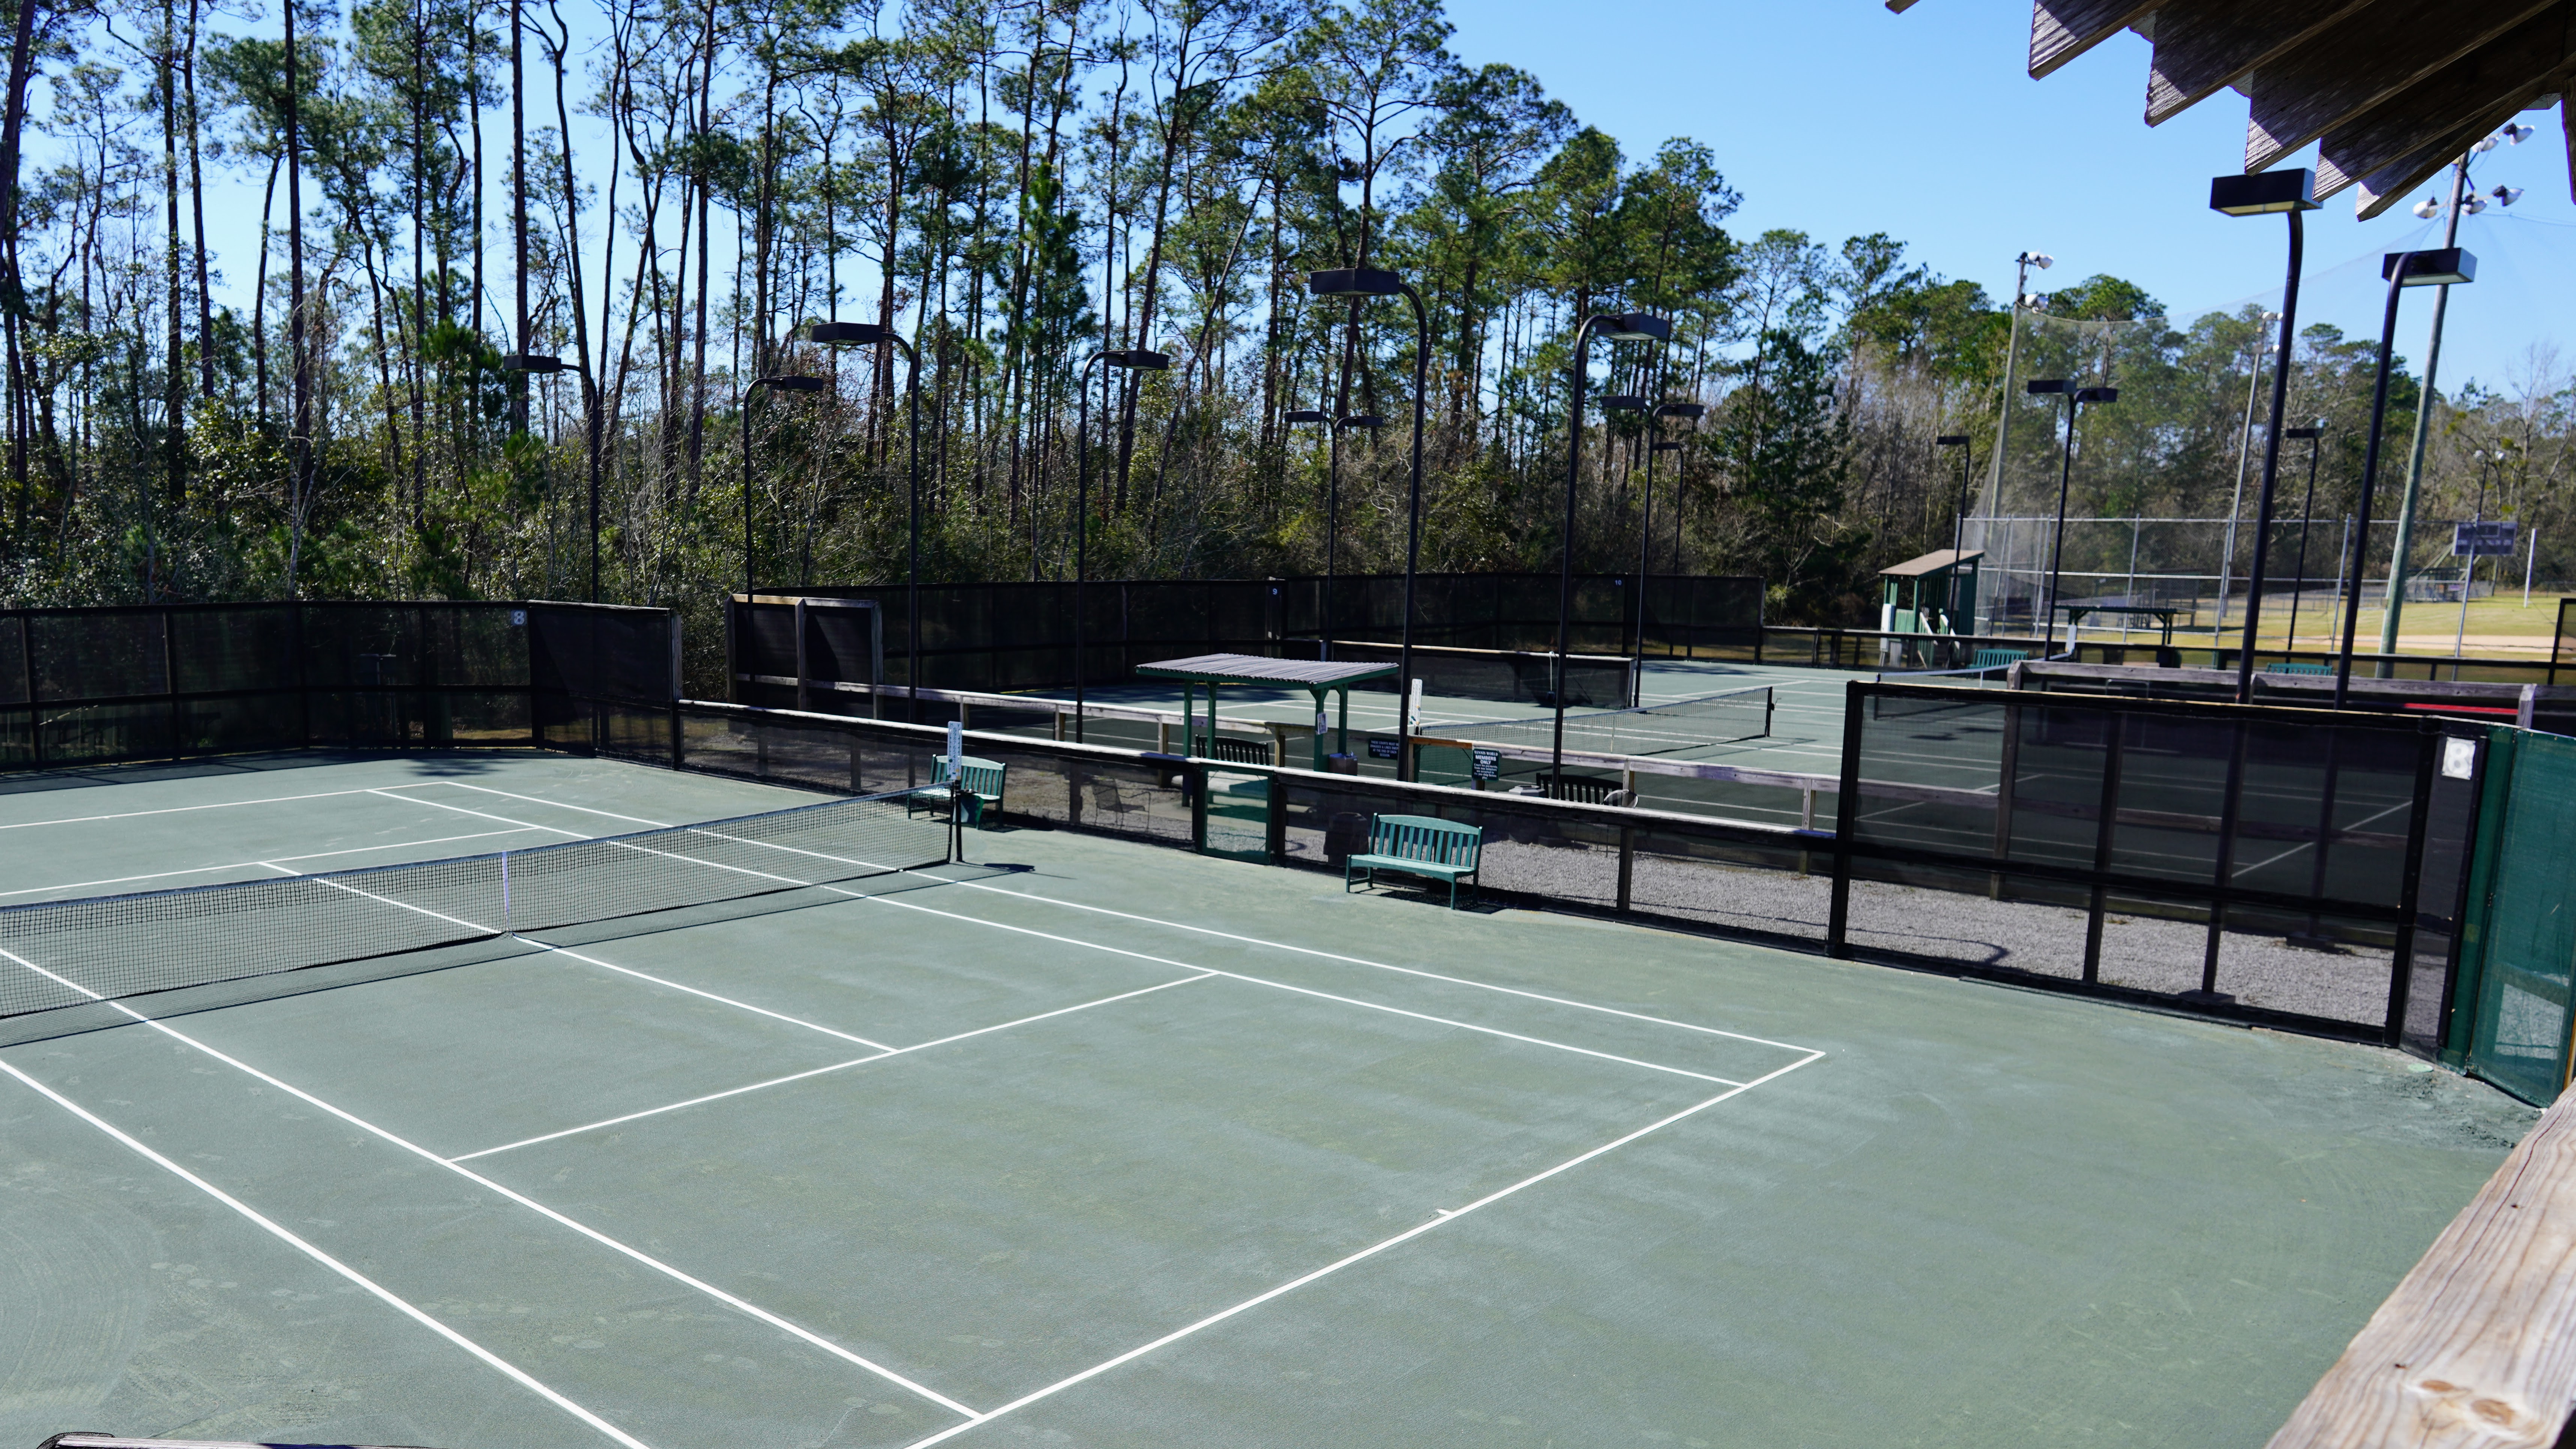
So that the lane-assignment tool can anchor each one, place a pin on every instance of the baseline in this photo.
(1446, 1217)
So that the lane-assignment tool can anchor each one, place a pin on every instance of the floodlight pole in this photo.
(2271, 465)
(1636, 325)
(2369, 477)
(2307, 517)
(2057, 547)
(1958, 521)
(2012, 356)
(2405, 544)
(1413, 537)
(869, 334)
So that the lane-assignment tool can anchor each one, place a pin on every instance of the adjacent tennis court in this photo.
(728, 1124)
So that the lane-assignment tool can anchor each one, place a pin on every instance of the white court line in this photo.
(1183, 926)
(1113, 950)
(479, 1180)
(819, 1071)
(521, 1376)
(182, 809)
(586, 960)
(1445, 1217)
(246, 864)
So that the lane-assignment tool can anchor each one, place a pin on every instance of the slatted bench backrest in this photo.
(980, 777)
(1425, 838)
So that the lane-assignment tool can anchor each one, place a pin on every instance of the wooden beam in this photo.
(2477, 1347)
(2386, 189)
(2371, 57)
(2203, 44)
(1900, 6)
(2061, 30)
(2504, 75)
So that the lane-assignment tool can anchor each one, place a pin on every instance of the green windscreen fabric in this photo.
(2527, 942)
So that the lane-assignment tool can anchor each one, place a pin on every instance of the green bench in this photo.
(973, 783)
(1999, 658)
(1419, 845)
(2295, 666)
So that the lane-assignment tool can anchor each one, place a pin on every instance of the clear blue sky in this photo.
(1838, 118)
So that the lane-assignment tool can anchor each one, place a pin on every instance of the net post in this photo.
(505, 893)
(1274, 825)
(2410, 885)
(1627, 862)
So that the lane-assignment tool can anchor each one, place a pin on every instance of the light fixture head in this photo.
(2264, 191)
(2303, 432)
(2428, 208)
(2439, 267)
(1363, 420)
(1142, 359)
(1690, 410)
(2097, 394)
(2515, 133)
(2506, 195)
(1307, 415)
(1354, 282)
(1622, 402)
(2474, 205)
(794, 382)
(1952, 440)
(847, 334)
(2047, 386)
(538, 362)
(2041, 260)
(1634, 327)
(2033, 301)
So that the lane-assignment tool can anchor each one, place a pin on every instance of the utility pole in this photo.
(2396, 597)
(2003, 411)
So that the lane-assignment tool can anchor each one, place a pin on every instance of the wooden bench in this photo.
(976, 784)
(2477, 1347)
(1419, 845)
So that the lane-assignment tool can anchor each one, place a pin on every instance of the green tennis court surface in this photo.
(1093, 1143)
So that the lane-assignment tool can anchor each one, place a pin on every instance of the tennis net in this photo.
(1656, 729)
(56, 954)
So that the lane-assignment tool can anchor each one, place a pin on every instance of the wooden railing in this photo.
(2477, 1347)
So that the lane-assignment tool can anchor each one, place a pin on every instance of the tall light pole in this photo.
(2012, 356)
(2428, 209)
(1958, 523)
(877, 334)
(2307, 515)
(1630, 403)
(2293, 194)
(1658, 443)
(2439, 268)
(784, 383)
(1617, 327)
(1141, 360)
(1332, 497)
(1356, 283)
(542, 365)
(2244, 453)
(2075, 398)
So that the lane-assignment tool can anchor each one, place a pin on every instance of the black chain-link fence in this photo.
(99, 686)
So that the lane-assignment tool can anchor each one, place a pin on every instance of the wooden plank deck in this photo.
(2477, 1347)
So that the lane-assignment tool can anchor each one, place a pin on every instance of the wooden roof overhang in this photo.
(2393, 90)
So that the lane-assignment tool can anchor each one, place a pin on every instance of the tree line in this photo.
(661, 194)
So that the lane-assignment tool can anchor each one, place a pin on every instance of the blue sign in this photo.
(2483, 540)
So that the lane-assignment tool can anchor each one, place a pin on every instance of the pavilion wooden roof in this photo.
(2393, 89)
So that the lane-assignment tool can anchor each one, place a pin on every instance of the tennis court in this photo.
(1089, 1142)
